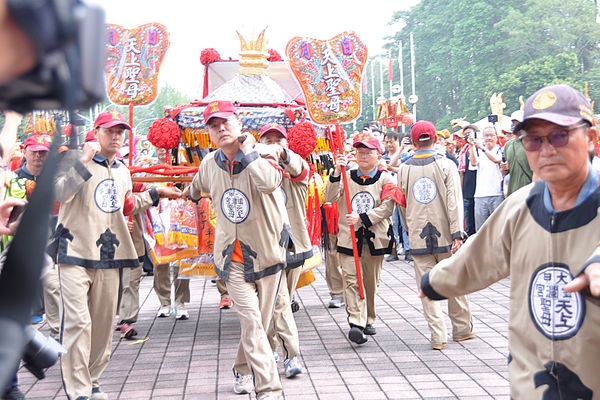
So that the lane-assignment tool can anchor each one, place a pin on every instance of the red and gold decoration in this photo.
(329, 73)
(134, 59)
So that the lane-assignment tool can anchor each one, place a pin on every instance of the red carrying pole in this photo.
(339, 131)
(131, 134)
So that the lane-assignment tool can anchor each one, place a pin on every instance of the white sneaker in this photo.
(336, 302)
(164, 312)
(243, 383)
(276, 356)
(181, 313)
(292, 367)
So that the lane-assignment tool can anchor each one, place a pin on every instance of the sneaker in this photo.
(292, 367)
(336, 302)
(98, 394)
(127, 331)
(226, 303)
(243, 384)
(276, 356)
(369, 330)
(37, 319)
(14, 394)
(439, 346)
(407, 256)
(468, 336)
(357, 336)
(164, 312)
(181, 313)
(392, 257)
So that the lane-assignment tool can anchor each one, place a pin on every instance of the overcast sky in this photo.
(194, 25)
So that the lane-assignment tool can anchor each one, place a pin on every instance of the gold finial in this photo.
(253, 55)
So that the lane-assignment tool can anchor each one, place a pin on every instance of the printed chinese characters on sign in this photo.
(134, 59)
(329, 73)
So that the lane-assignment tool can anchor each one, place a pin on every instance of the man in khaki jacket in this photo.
(93, 243)
(283, 328)
(250, 239)
(545, 237)
(434, 221)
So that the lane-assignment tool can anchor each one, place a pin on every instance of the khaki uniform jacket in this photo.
(374, 213)
(92, 230)
(434, 205)
(247, 209)
(294, 189)
(551, 332)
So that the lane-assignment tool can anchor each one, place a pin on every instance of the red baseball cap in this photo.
(273, 127)
(220, 109)
(110, 118)
(37, 143)
(422, 131)
(367, 140)
(90, 136)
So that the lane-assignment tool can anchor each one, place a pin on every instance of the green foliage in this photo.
(468, 49)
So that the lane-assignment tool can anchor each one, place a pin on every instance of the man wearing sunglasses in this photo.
(544, 236)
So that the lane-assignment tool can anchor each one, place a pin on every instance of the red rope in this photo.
(163, 169)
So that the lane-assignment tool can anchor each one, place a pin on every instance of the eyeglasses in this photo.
(365, 153)
(557, 138)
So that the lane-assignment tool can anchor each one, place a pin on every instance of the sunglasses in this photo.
(557, 138)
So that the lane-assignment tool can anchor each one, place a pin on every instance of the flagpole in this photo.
(401, 78)
(390, 72)
(381, 79)
(373, 88)
(412, 73)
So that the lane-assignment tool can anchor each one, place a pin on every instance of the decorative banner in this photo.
(329, 73)
(134, 58)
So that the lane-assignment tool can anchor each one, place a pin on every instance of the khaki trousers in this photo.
(90, 305)
(162, 286)
(361, 312)
(222, 288)
(458, 307)
(253, 303)
(333, 269)
(51, 289)
(130, 294)
(282, 329)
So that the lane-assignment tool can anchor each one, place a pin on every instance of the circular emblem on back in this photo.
(424, 190)
(555, 313)
(235, 205)
(544, 100)
(362, 202)
(106, 197)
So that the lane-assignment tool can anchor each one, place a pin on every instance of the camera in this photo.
(68, 37)
(41, 352)
(493, 118)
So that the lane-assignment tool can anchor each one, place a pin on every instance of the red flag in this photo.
(390, 68)
(393, 191)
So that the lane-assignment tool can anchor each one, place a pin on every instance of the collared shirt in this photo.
(588, 187)
(370, 174)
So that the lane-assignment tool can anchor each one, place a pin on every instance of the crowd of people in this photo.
(458, 205)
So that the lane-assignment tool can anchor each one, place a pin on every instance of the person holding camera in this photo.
(468, 178)
(486, 156)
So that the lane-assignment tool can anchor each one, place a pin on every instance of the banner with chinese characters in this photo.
(329, 73)
(134, 58)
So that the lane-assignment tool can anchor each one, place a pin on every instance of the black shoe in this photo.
(370, 330)
(14, 394)
(295, 306)
(356, 335)
(392, 257)
(407, 257)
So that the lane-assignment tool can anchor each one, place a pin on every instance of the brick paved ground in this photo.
(192, 359)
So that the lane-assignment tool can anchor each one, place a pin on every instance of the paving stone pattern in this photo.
(193, 359)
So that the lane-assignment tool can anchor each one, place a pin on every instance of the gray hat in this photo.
(559, 104)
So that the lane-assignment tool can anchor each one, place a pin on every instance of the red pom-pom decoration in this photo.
(67, 129)
(302, 139)
(164, 133)
(274, 56)
(209, 55)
